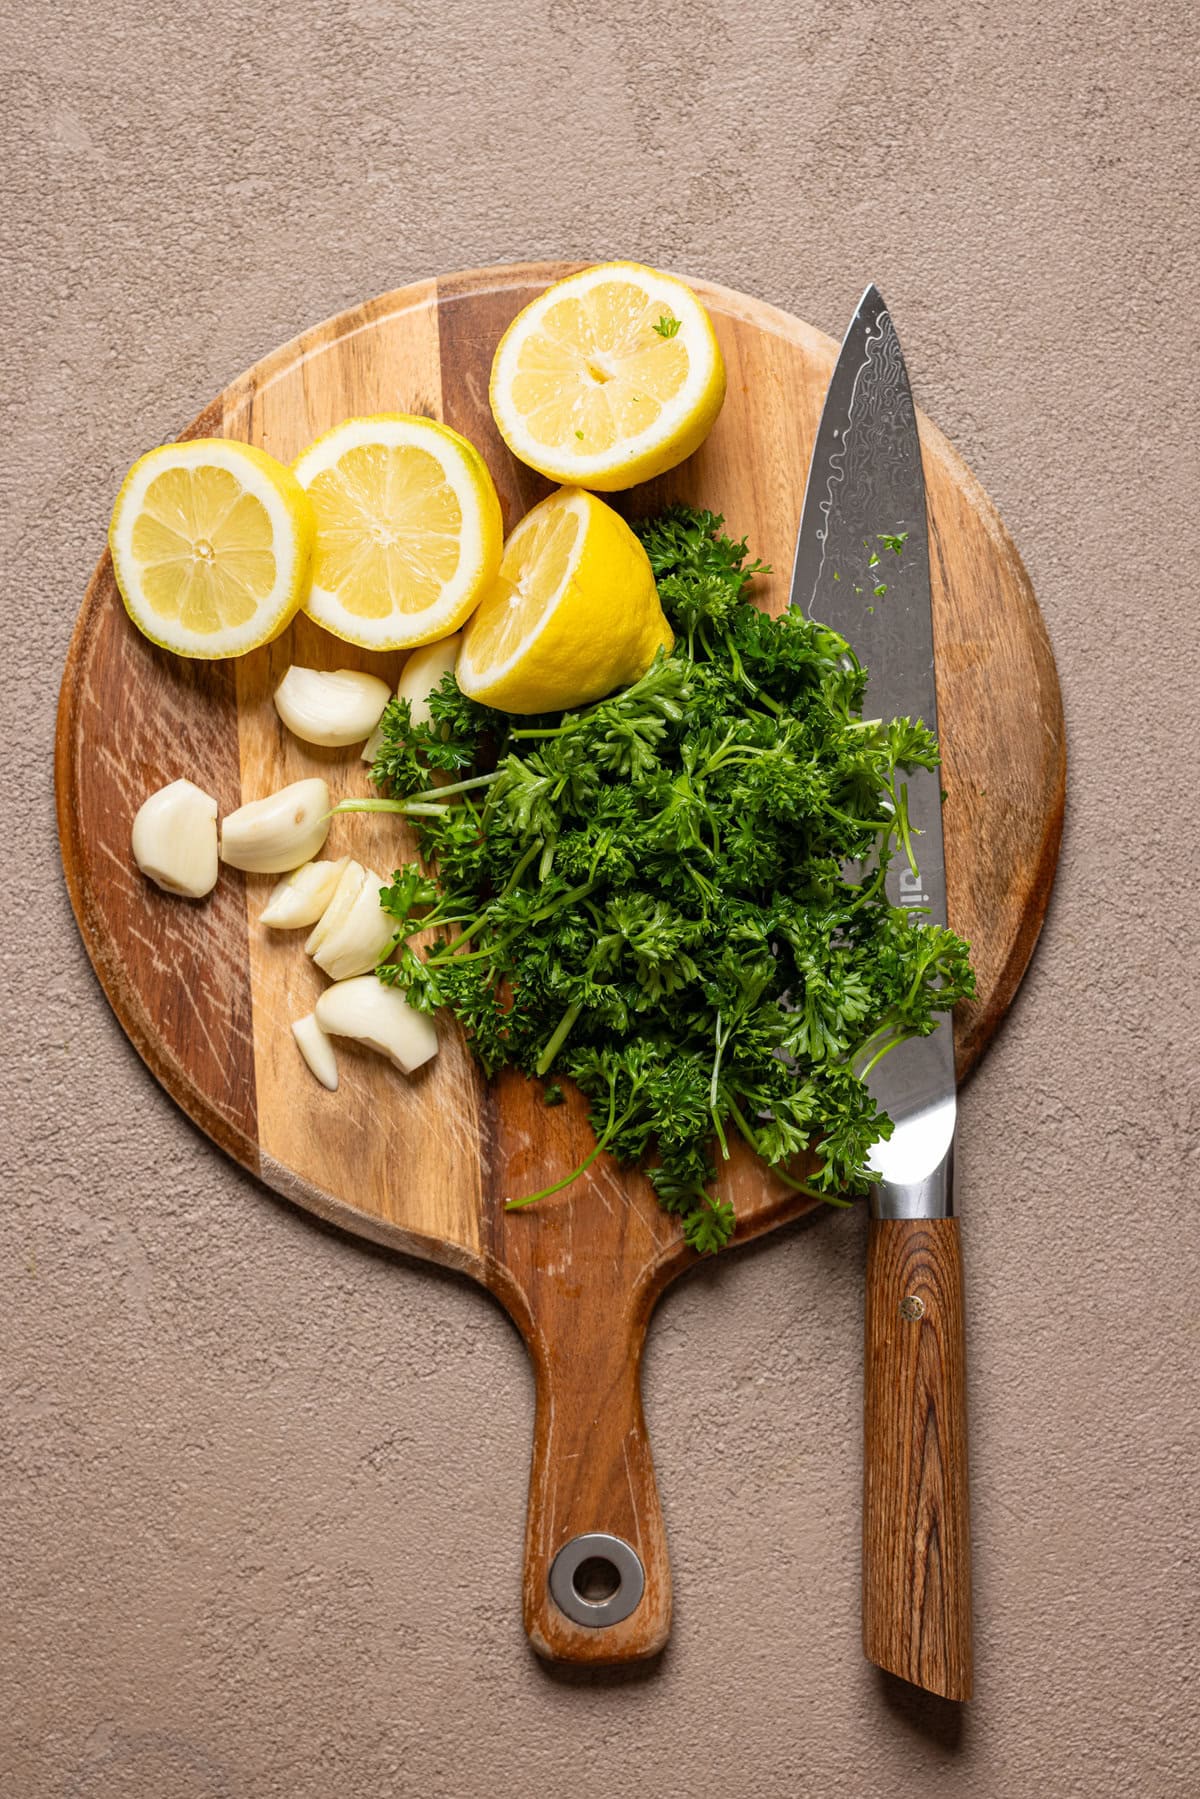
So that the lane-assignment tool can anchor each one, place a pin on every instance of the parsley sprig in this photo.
(676, 897)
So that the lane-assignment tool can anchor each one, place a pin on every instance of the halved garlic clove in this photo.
(272, 835)
(349, 886)
(422, 675)
(300, 898)
(317, 1050)
(333, 709)
(381, 1018)
(359, 937)
(175, 839)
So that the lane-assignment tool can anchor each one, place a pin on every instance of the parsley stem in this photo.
(519, 870)
(880, 1053)
(563, 899)
(860, 824)
(369, 806)
(901, 803)
(566, 1025)
(829, 1199)
(441, 793)
(788, 1181)
(480, 918)
(609, 1131)
(868, 893)
(421, 804)
(549, 731)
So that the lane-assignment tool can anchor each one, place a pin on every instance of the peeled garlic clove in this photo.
(381, 1018)
(175, 839)
(330, 708)
(373, 745)
(349, 886)
(421, 676)
(360, 938)
(273, 835)
(317, 1050)
(300, 898)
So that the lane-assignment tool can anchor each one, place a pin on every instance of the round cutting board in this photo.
(208, 996)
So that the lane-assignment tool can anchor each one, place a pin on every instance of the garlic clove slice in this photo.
(422, 675)
(360, 938)
(175, 839)
(349, 886)
(278, 833)
(330, 708)
(300, 898)
(317, 1050)
(380, 1017)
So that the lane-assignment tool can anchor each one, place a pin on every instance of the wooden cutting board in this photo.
(207, 995)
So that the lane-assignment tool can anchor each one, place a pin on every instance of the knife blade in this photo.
(862, 567)
(866, 485)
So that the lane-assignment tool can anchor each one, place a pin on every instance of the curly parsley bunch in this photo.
(663, 897)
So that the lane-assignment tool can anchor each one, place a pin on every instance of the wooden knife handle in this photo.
(916, 1524)
(592, 1474)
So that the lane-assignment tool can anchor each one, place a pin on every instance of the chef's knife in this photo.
(865, 498)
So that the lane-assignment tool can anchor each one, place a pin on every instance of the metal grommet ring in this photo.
(615, 1561)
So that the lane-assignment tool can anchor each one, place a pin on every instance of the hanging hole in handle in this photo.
(597, 1579)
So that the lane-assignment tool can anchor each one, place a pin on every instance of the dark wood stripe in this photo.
(471, 321)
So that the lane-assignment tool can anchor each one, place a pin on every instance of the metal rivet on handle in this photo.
(598, 1564)
(912, 1306)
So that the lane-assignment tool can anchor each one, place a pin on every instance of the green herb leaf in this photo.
(675, 897)
(667, 326)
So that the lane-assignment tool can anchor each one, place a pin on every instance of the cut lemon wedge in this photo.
(573, 614)
(408, 530)
(211, 543)
(608, 378)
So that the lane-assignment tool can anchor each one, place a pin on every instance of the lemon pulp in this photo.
(206, 549)
(610, 377)
(390, 526)
(408, 529)
(597, 370)
(211, 542)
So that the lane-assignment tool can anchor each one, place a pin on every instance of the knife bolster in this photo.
(930, 1197)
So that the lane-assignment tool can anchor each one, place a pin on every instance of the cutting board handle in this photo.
(595, 1544)
(916, 1525)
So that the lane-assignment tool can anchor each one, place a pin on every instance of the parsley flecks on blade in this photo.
(657, 896)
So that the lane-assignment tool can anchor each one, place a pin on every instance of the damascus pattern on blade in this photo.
(866, 480)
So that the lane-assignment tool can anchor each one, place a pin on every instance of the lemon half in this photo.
(409, 531)
(211, 543)
(609, 377)
(573, 614)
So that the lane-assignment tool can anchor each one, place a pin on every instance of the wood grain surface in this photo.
(916, 1570)
(208, 996)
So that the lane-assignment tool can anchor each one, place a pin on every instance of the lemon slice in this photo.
(608, 378)
(573, 614)
(408, 530)
(211, 543)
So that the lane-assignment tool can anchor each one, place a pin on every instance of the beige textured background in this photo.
(261, 1489)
